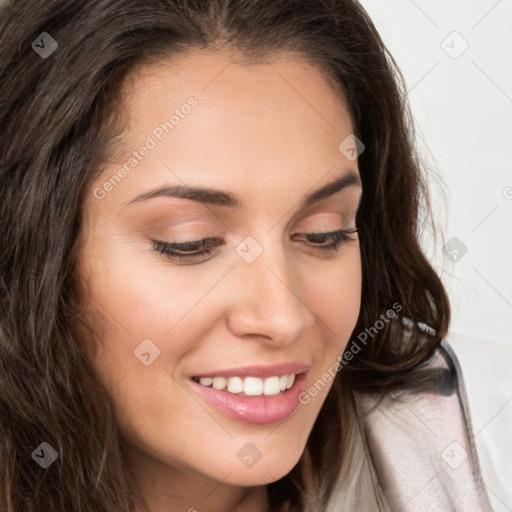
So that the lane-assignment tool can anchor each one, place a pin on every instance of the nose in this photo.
(268, 301)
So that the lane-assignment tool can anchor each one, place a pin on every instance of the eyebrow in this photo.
(223, 198)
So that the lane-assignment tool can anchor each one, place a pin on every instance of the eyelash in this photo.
(337, 238)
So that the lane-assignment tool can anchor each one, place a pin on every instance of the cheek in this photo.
(335, 293)
(138, 292)
(150, 318)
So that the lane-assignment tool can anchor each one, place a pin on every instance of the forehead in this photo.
(278, 122)
(285, 87)
(203, 70)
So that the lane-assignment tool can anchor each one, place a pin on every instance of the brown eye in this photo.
(191, 250)
(335, 239)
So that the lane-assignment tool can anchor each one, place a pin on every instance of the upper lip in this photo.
(259, 371)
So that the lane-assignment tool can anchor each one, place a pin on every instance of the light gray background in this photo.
(462, 105)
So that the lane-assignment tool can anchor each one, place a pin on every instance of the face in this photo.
(235, 280)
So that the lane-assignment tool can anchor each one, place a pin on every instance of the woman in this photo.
(210, 257)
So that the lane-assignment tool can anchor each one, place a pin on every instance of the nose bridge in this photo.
(269, 302)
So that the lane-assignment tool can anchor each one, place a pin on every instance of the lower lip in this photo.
(256, 409)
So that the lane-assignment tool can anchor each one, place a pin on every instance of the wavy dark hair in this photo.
(57, 118)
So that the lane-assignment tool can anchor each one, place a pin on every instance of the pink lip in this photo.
(259, 371)
(254, 409)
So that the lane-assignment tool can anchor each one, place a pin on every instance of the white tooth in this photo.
(235, 385)
(283, 381)
(219, 383)
(206, 381)
(271, 386)
(253, 386)
(291, 380)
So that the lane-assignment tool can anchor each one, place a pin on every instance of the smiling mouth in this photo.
(249, 386)
(262, 399)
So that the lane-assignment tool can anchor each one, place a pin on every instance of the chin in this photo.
(265, 471)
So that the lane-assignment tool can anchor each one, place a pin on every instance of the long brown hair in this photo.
(57, 116)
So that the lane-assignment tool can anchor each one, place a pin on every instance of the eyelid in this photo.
(172, 249)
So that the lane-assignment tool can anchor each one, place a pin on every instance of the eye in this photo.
(195, 249)
(334, 238)
(187, 250)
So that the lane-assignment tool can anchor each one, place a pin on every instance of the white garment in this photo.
(420, 443)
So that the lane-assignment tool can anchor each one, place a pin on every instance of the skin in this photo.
(268, 133)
